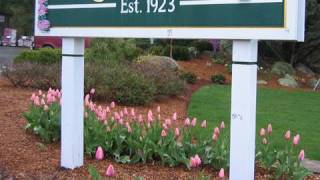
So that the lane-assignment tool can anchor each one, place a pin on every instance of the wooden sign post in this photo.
(244, 21)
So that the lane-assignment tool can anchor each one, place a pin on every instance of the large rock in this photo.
(304, 69)
(262, 82)
(312, 82)
(282, 68)
(162, 61)
(288, 81)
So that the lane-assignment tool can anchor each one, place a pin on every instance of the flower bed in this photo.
(129, 137)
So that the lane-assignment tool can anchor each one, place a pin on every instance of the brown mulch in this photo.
(23, 156)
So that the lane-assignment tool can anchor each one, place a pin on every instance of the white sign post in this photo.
(72, 102)
(243, 109)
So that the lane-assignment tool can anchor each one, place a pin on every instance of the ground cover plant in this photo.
(129, 137)
(285, 109)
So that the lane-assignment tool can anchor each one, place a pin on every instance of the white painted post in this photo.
(72, 102)
(243, 109)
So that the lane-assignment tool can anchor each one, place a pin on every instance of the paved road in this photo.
(7, 54)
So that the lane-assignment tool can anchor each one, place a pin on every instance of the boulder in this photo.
(282, 68)
(305, 69)
(262, 82)
(162, 61)
(312, 82)
(288, 81)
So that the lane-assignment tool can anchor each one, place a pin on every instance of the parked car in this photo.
(52, 42)
(25, 41)
(9, 37)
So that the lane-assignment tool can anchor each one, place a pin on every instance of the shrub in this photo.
(229, 68)
(218, 58)
(41, 56)
(156, 50)
(218, 79)
(178, 52)
(189, 77)
(119, 83)
(166, 80)
(26, 74)
(202, 46)
(112, 50)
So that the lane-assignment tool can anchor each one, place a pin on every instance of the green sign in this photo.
(167, 13)
(187, 19)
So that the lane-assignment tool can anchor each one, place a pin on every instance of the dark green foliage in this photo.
(165, 80)
(218, 79)
(119, 83)
(41, 56)
(179, 53)
(189, 77)
(34, 75)
(202, 46)
(45, 124)
(112, 50)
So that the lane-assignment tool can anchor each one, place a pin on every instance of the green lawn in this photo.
(294, 110)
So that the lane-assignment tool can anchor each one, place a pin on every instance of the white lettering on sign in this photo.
(151, 6)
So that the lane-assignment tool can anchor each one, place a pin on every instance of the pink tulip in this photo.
(194, 122)
(108, 109)
(264, 141)
(133, 113)
(177, 132)
(163, 133)
(287, 135)
(110, 171)
(192, 162)
(43, 102)
(158, 109)
(99, 153)
(128, 127)
(301, 155)
(150, 114)
(36, 101)
(140, 119)
(92, 91)
(222, 126)
(174, 116)
(215, 137)
(221, 173)
(269, 128)
(33, 96)
(204, 124)
(121, 114)
(187, 122)
(262, 132)
(296, 140)
(216, 131)
(159, 116)
(168, 122)
(197, 159)
(117, 115)
(40, 93)
(113, 104)
(87, 100)
(125, 111)
(86, 115)
(164, 125)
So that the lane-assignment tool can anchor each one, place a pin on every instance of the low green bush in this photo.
(119, 83)
(41, 56)
(218, 79)
(202, 46)
(189, 77)
(180, 53)
(112, 50)
(166, 80)
(40, 76)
